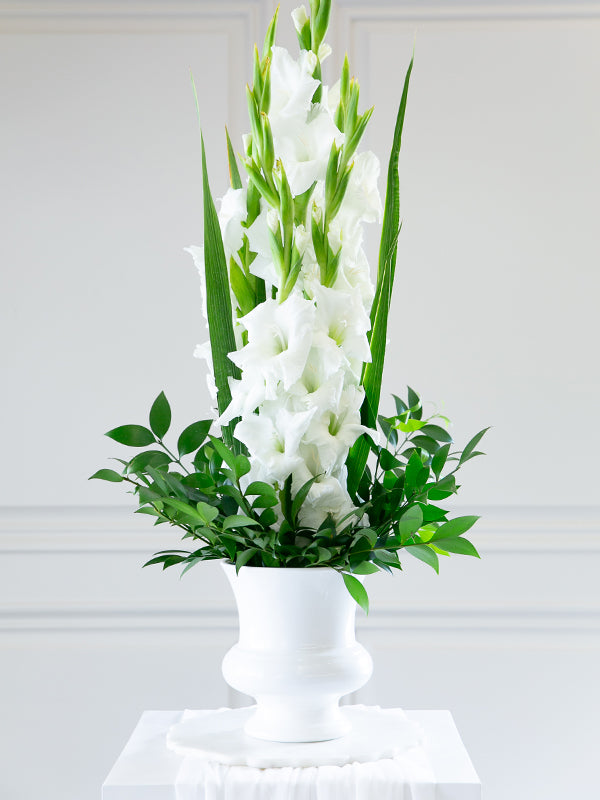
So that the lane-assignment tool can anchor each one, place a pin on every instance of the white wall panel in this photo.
(497, 282)
(100, 193)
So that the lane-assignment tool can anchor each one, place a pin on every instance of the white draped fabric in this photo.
(148, 769)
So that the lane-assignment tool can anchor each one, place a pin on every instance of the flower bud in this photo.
(300, 18)
(268, 147)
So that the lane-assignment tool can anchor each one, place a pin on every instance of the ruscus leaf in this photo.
(107, 475)
(160, 416)
(454, 527)
(193, 436)
(132, 435)
(357, 591)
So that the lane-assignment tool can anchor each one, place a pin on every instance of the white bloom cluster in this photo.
(301, 358)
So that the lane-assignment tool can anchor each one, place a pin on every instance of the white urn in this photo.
(297, 654)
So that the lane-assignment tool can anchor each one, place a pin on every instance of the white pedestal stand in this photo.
(434, 767)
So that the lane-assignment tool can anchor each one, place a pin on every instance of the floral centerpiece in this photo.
(298, 469)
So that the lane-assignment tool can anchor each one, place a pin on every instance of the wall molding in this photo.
(429, 10)
(115, 529)
(80, 533)
(94, 618)
(138, 11)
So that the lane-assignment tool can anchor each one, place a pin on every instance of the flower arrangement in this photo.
(299, 469)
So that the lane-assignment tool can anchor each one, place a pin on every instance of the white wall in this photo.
(495, 318)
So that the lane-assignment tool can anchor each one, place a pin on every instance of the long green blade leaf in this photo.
(218, 298)
(234, 173)
(373, 372)
(218, 302)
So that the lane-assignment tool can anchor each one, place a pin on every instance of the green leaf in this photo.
(365, 568)
(224, 451)
(458, 545)
(265, 501)
(207, 513)
(160, 416)
(199, 480)
(439, 460)
(411, 425)
(388, 461)
(425, 554)
(193, 436)
(401, 406)
(238, 521)
(268, 517)
(387, 425)
(432, 513)
(414, 403)
(183, 508)
(218, 304)
(386, 557)
(410, 522)
(234, 173)
(149, 458)
(243, 557)
(259, 487)
(132, 435)
(357, 591)
(413, 470)
(425, 443)
(436, 432)
(190, 563)
(473, 455)
(443, 488)
(241, 466)
(373, 371)
(467, 452)
(285, 499)
(270, 35)
(454, 527)
(300, 497)
(107, 475)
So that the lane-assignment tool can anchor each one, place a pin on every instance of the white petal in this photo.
(292, 84)
(300, 18)
(197, 253)
(231, 214)
(279, 340)
(204, 351)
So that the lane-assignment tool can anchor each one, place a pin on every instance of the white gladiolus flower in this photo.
(324, 51)
(292, 84)
(343, 317)
(335, 431)
(279, 339)
(304, 146)
(362, 202)
(273, 438)
(299, 397)
(260, 243)
(231, 215)
(322, 371)
(246, 396)
(327, 496)
(204, 351)
(197, 253)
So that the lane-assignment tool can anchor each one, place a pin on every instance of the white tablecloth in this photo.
(404, 778)
(148, 770)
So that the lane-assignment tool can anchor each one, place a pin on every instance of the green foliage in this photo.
(396, 482)
(218, 302)
(260, 525)
(373, 371)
